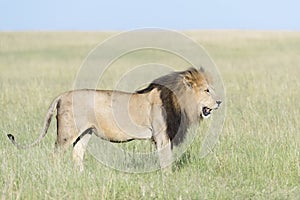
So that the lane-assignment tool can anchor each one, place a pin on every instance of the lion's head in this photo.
(187, 96)
(199, 94)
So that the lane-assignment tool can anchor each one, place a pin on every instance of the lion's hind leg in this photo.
(80, 146)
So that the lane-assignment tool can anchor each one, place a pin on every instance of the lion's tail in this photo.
(47, 122)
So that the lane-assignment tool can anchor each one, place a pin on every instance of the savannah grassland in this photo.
(257, 155)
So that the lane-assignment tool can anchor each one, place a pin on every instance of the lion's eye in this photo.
(207, 90)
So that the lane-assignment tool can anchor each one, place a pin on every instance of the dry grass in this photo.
(257, 156)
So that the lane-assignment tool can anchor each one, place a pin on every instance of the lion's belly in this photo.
(118, 126)
(115, 132)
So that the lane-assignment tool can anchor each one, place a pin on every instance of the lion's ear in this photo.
(188, 82)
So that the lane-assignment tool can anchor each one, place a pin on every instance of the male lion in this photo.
(163, 111)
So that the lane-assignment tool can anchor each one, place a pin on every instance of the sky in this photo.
(99, 15)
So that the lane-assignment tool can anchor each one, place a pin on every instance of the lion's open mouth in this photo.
(206, 111)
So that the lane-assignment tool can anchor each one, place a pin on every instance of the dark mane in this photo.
(171, 87)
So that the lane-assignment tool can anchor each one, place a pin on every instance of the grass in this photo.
(257, 155)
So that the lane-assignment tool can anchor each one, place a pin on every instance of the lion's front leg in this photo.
(163, 145)
(161, 138)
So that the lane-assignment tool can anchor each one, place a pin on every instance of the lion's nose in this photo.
(219, 102)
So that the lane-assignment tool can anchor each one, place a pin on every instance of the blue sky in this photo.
(125, 15)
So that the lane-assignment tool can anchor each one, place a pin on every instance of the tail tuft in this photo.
(11, 137)
(47, 121)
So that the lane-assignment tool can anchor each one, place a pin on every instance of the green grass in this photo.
(257, 155)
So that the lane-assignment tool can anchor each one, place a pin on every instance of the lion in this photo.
(162, 112)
